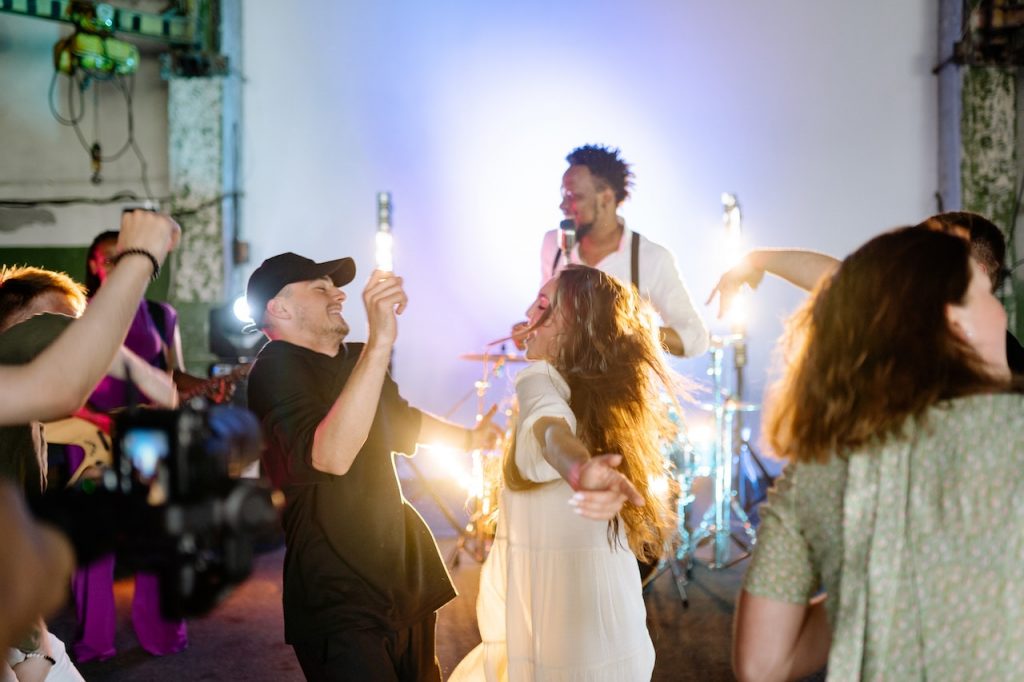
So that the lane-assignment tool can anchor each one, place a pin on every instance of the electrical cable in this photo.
(107, 158)
(128, 91)
(126, 85)
(119, 198)
(53, 107)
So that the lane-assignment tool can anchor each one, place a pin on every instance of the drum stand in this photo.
(475, 538)
(745, 451)
(679, 555)
(725, 508)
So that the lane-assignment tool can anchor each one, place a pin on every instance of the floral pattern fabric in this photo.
(918, 542)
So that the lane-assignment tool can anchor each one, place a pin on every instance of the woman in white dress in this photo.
(577, 508)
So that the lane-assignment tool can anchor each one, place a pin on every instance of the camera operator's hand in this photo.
(35, 567)
(384, 299)
(154, 233)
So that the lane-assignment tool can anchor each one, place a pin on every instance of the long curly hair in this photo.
(873, 347)
(611, 358)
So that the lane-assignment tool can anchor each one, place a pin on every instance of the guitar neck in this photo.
(210, 387)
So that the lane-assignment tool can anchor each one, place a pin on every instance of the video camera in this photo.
(172, 503)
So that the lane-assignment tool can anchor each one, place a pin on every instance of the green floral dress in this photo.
(919, 544)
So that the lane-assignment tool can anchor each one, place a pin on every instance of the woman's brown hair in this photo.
(873, 347)
(612, 360)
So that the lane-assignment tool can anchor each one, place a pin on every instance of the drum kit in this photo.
(474, 538)
(725, 523)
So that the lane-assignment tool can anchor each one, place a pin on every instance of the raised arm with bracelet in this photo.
(799, 267)
(58, 380)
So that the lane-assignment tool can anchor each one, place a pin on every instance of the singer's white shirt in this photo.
(660, 283)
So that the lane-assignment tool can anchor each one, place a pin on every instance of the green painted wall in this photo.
(193, 317)
(70, 259)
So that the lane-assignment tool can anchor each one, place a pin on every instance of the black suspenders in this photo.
(634, 261)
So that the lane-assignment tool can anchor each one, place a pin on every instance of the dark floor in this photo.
(242, 639)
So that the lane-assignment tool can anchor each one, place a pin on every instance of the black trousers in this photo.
(373, 655)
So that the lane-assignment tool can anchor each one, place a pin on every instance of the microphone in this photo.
(567, 236)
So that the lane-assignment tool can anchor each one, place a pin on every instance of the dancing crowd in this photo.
(897, 412)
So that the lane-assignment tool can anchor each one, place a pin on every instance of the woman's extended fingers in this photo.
(600, 473)
(599, 505)
(727, 288)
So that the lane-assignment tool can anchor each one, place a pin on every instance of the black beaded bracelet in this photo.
(141, 252)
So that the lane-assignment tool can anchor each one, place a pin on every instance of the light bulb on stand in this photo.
(733, 251)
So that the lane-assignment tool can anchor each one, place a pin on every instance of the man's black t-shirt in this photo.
(358, 555)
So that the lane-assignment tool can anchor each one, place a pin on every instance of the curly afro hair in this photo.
(605, 164)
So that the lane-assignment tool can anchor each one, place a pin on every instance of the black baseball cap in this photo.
(278, 272)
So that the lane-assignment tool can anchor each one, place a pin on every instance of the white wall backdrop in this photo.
(820, 116)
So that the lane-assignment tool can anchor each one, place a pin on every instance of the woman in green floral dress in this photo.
(893, 545)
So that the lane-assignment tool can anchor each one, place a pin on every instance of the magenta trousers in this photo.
(93, 589)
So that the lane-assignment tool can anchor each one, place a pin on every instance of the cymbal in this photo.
(732, 406)
(493, 357)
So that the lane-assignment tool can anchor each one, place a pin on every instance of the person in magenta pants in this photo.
(93, 585)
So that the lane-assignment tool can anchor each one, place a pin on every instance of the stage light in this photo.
(241, 310)
(448, 460)
(738, 312)
(659, 486)
(228, 338)
(731, 250)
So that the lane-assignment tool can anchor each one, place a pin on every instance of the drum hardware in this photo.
(725, 509)
(475, 537)
(746, 453)
(494, 357)
(680, 469)
(677, 556)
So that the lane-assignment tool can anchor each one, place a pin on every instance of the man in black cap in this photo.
(363, 578)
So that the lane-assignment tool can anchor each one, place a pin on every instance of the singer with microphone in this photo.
(596, 183)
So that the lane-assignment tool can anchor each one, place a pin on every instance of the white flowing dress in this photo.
(572, 609)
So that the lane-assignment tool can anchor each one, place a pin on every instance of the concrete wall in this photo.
(39, 158)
